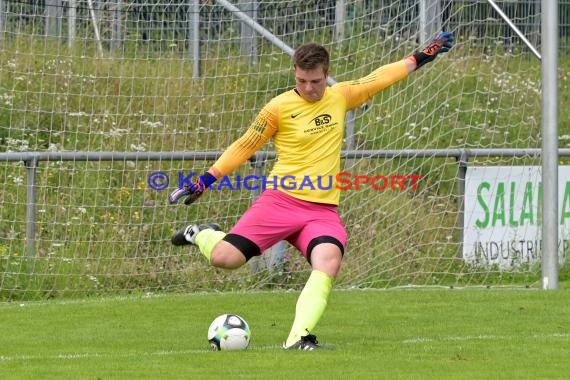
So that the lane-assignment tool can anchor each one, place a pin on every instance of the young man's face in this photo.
(311, 84)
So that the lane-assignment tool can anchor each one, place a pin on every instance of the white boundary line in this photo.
(95, 355)
(91, 355)
(420, 340)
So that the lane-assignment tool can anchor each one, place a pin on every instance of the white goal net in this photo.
(148, 79)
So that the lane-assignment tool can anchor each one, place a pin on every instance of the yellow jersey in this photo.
(307, 136)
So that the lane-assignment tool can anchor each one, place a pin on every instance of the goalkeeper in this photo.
(306, 124)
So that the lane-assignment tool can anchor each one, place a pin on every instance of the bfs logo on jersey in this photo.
(322, 120)
(320, 124)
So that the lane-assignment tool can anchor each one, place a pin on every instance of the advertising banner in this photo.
(503, 215)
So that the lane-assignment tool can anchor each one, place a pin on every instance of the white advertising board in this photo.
(503, 215)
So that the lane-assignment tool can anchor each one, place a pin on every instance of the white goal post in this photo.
(121, 90)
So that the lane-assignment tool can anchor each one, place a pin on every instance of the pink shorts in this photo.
(277, 216)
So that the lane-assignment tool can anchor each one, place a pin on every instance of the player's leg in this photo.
(324, 253)
(313, 300)
(212, 244)
(206, 237)
(257, 230)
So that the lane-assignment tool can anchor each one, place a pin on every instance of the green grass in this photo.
(395, 334)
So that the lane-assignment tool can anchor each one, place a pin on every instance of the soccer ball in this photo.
(229, 332)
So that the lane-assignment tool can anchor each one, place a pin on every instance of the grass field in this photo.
(394, 334)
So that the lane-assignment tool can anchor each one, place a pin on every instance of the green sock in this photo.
(310, 305)
(207, 239)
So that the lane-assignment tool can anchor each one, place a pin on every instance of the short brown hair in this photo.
(310, 56)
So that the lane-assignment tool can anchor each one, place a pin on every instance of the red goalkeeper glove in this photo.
(441, 44)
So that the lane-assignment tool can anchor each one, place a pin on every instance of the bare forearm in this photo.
(411, 64)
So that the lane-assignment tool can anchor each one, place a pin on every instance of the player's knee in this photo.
(327, 258)
(226, 258)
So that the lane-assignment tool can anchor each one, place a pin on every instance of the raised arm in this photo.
(359, 91)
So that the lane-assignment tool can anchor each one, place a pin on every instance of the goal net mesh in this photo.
(124, 76)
